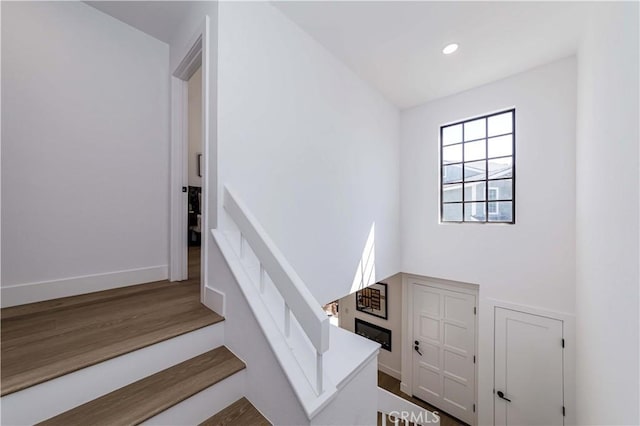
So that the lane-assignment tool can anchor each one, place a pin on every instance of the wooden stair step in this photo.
(147, 397)
(80, 300)
(32, 327)
(241, 412)
(46, 340)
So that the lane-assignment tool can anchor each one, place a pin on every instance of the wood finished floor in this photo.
(392, 384)
(241, 412)
(45, 340)
(141, 400)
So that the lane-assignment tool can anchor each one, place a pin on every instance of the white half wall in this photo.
(268, 388)
(607, 217)
(356, 402)
(531, 263)
(85, 103)
(310, 148)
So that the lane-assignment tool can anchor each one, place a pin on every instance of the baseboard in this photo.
(46, 290)
(390, 371)
(214, 300)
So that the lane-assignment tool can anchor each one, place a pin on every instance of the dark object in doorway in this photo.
(195, 196)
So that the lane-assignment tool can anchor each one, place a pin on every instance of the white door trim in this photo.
(569, 354)
(195, 54)
(406, 354)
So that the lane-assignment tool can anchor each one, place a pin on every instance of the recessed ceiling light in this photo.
(450, 48)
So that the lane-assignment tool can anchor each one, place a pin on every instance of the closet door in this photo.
(528, 369)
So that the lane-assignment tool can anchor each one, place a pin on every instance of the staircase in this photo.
(154, 354)
(147, 353)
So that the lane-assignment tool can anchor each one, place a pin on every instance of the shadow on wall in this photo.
(366, 270)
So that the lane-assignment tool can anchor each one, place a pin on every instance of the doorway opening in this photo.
(193, 183)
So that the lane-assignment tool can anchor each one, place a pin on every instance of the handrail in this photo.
(297, 298)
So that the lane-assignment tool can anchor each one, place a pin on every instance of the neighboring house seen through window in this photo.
(477, 169)
(494, 194)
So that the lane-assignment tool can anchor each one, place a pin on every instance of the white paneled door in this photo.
(444, 349)
(528, 369)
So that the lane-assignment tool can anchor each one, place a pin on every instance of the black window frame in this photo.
(486, 180)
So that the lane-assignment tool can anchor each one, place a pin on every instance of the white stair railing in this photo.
(299, 303)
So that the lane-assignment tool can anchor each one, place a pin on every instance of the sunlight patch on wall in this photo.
(366, 271)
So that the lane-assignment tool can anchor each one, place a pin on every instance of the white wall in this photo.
(530, 263)
(308, 146)
(388, 361)
(311, 149)
(194, 89)
(607, 219)
(84, 153)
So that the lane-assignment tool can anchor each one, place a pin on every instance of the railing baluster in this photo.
(297, 298)
(287, 320)
(319, 373)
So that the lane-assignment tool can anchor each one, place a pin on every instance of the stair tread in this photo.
(147, 397)
(79, 300)
(40, 344)
(241, 412)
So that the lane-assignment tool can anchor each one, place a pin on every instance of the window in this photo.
(477, 169)
(494, 194)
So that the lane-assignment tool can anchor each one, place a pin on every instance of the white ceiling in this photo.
(396, 46)
(156, 18)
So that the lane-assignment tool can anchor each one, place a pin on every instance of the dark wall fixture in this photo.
(375, 333)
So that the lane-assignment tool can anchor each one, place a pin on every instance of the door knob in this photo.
(501, 395)
(417, 349)
(417, 343)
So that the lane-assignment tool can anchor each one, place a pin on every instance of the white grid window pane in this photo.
(501, 189)
(475, 191)
(452, 134)
(501, 211)
(476, 170)
(475, 212)
(452, 212)
(452, 192)
(452, 154)
(475, 129)
(501, 124)
(500, 146)
(501, 167)
(475, 150)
